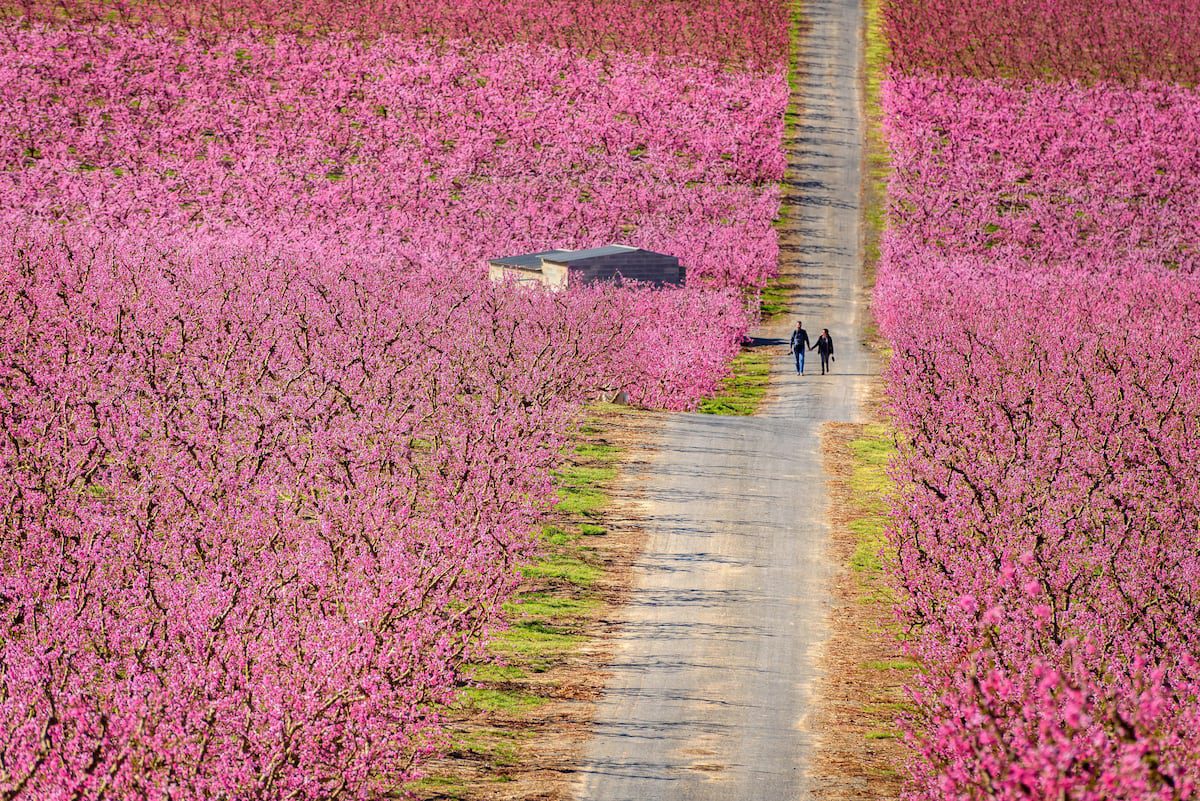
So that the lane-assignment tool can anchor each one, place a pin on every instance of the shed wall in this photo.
(649, 267)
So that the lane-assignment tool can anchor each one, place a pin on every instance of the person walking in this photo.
(824, 349)
(800, 343)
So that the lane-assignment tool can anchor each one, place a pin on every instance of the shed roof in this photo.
(528, 261)
(568, 256)
(533, 261)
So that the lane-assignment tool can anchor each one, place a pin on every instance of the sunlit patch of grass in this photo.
(743, 391)
(556, 535)
(547, 620)
(561, 567)
(580, 501)
(891, 664)
(496, 673)
(447, 787)
(773, 300)
(878, 157)
(548, 606)
(870, 540)
(585, 476)
(506, 701)
(869, 484)
(597, 452)
(534, 643)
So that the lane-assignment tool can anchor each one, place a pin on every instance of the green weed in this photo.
(891, 664)
(773, 300)
(554, 535)
(869, 484)
(548, 606)
(562, 567)
(496, 673)
(579, 476)
(506, 701)
(498, 746)
(598, 452)
(580, 501)
(742, 392)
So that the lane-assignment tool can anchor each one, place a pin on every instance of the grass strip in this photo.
(869, 487)
(547, 619)
(742, 392)
(879, 163)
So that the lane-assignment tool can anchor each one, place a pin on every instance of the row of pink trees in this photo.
(1039, 285)
(259, 508)
(1045, 530)
(427, 154)
(738, 32)
(1033, 40)
(274, 448)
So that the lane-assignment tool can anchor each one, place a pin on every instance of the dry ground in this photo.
(859, 755)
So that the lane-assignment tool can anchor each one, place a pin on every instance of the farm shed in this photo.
(559, 269)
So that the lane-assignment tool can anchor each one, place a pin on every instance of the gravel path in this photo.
(718, 653)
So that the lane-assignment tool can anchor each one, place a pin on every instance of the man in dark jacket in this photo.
(800, 344)
(824, 348)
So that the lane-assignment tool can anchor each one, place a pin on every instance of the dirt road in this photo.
(718, 651)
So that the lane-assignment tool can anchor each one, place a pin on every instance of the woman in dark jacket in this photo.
(824, 348)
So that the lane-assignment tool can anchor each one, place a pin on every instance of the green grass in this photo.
(438, 787)
(888, 707)
(598, 452)
(891, 664)
(548, 606)
(534, 644)
(773, 301)
(871, 452)
(742, 392)
(578, 489)
(869, 485)
(581, 476)
(870, 540)
(580, 501)
(509, 702)
(556, 535)
(795, 32)
(878, 158)
(499, 746)
(496, 673)
(563, 568)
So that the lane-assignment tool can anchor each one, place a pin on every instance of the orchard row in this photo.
(275, 449)
(1040, 286)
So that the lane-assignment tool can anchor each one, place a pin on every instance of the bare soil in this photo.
(859, 755)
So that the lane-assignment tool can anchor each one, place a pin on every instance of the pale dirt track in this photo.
(718, 650)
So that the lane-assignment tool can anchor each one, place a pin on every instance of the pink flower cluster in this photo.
(1040, 288)
(749, 32)
(259, 508)
(431, 155)
(1033, 40)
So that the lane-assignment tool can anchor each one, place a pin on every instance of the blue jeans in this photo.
(800, 360)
